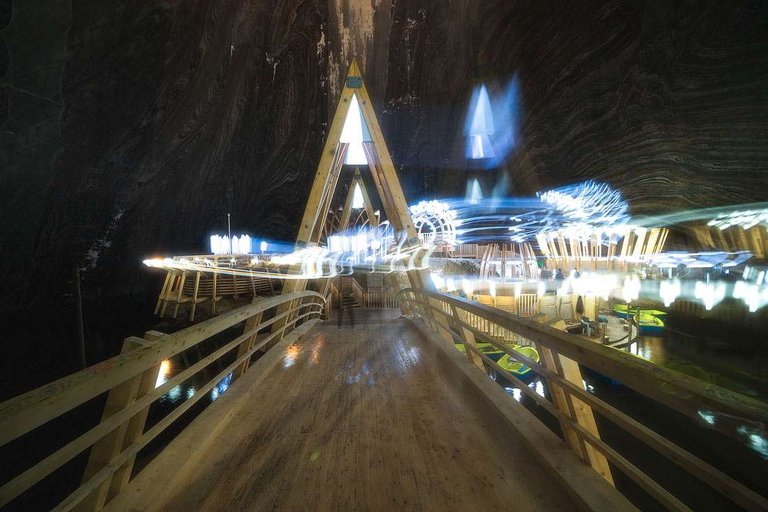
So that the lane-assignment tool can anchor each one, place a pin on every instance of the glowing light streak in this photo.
(745, 219)
(592, 202)
(439, 217)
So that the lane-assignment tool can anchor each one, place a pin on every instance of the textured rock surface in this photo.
(134, 127)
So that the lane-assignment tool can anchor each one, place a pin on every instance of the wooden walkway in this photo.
(359, 418)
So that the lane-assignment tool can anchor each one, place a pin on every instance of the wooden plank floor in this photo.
(362, 419)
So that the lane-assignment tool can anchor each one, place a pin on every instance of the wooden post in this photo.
(181, 291)
(250, 324)
(110, 446)
(575, 409)
(169, 291)
(469, 338)
(136, 424)
(215, 282)
(80, 324)
(194, 297)
(166, 285)
(439, 320)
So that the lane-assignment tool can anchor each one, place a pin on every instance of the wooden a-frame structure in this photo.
(382, 171)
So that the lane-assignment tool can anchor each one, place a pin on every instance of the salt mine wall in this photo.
(130, 129)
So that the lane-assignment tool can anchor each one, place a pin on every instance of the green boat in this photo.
(651, 321)
(517, 368)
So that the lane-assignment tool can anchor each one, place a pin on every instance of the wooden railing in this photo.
(458, 320)
(379, 299)
(130, 382)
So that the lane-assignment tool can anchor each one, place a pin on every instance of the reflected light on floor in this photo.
(317, 346)
(291, 353)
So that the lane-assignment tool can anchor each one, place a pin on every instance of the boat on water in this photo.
(651, 321)
(517, 368)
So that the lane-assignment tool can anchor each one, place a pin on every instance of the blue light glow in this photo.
(491, 124)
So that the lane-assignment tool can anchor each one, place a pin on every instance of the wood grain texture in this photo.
(361, 419)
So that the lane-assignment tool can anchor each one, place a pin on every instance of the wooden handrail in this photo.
(121, 374)
(452, 318)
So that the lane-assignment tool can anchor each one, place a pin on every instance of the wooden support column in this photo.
(215, 283)
(175, 276)
(104, 451)
(575, 409)
(194, 297)
(166, 286)
(179, 294)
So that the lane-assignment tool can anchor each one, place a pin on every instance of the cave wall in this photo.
(133, 128)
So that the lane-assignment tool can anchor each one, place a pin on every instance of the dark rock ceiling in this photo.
(130, 129)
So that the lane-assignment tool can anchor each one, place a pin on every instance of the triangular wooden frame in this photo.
(346, 213)
(382, 171)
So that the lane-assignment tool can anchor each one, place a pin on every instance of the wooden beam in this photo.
(574, 409)
(104, 451)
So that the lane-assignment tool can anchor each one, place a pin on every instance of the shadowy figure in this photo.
(344, 304)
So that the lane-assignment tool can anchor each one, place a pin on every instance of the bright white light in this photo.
(175, 393)
(357, 197)
(224, 245)
(163, 374)
(492, 288)
(542, 289)
(707, 416)
(669, 291)
(480, 126)
(751, 294)
(631, 290)
(352, 134)
(466, 285)
(263, 246)
(709, 293)
(438, 217)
